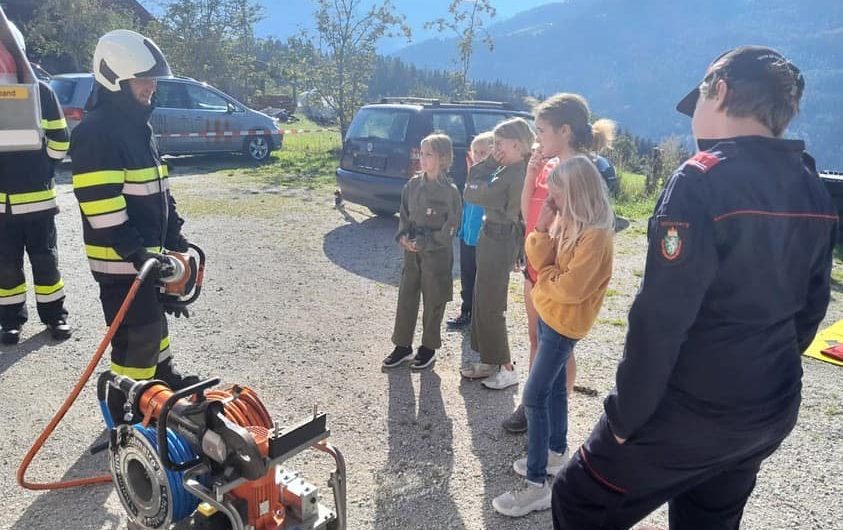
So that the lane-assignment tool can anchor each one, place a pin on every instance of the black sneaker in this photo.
(424, 358)
(516, 423)
(10, 335)
(399, 355)
(59, 329)
(460, 322)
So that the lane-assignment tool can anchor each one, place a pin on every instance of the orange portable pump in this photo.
(201, 457)
(213, 460)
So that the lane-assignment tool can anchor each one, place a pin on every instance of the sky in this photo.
(285, 17)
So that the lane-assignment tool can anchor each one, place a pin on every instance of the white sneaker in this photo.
(478, 370)
(501, 379)
(555, 463)
(530, 498)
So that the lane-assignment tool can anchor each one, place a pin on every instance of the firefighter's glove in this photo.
(171, 307)
(139, 258)
(180, 244)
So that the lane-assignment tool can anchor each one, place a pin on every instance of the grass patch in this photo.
(612, 292)
(632, 200)
(616, 322)
(306, 160)
(237, 204)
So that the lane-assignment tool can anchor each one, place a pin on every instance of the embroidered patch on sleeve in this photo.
(672, 240)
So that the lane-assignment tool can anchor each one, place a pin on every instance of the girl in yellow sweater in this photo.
(571, 248)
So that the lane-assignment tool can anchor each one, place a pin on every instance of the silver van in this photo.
(189, 117)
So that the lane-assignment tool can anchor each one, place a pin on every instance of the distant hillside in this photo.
(633, 60)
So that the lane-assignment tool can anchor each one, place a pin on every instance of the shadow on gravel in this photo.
(75, 508)
(413, 487)
(367, 249)
(493, 447)
(11, 354)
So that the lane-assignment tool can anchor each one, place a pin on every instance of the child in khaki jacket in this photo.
(429, 217)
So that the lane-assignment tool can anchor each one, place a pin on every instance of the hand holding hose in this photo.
(140, 258)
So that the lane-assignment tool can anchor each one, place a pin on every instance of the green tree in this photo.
(67, 31)
(467, 22)
(214, 41)
(347, 37)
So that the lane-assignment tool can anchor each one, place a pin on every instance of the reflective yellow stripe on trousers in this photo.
(49, 293)
(36, 201)
(15, 295)
(134, 373)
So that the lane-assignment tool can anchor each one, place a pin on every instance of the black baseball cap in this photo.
(747, 63)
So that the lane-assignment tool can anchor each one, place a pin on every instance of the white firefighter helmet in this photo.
(18, 36)
(122, 54)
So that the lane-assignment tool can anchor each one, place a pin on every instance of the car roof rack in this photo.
(483, 103)
(410, 99)
(434, 102)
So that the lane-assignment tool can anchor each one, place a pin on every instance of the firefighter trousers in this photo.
(140, 348)
(36, 235)
(703, 466)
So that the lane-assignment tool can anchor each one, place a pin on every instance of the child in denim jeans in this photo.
(571, 248)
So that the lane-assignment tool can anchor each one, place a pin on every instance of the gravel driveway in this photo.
(298, 304)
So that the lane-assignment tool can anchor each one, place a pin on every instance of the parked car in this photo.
(834, 182)
(40, 73)
(189, 117)
(381, 148)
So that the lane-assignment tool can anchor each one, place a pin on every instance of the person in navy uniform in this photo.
(737, 281)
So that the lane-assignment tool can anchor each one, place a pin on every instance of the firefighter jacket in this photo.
(26, 177)
(737, 280)
(121, 185)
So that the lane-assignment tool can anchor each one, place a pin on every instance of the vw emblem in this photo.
(369, 147)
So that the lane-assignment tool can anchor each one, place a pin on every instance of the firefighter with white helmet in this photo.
(128, 213)
(27, 221)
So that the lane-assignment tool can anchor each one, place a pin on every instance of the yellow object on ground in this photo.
(825, 339)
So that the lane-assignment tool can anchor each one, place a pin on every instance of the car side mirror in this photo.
(231, 108)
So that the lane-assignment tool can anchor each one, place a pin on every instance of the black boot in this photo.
(59, 329)
(10, 335)
(460, 322)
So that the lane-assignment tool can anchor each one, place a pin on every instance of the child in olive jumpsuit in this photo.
(429, 217)
(501, 240)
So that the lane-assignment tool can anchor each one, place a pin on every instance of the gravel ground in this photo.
(298, 304)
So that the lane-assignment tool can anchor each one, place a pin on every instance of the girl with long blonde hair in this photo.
(571, 249)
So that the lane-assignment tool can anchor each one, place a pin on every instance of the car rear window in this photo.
(383, 124)
(452, 124)
(487, 121)
(64, 89)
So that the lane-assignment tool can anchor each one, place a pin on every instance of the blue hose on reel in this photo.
(184, 503)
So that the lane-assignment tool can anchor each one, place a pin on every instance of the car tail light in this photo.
(415, 162)
(74, 113)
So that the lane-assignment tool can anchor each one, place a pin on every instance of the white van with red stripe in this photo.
(189, 117)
